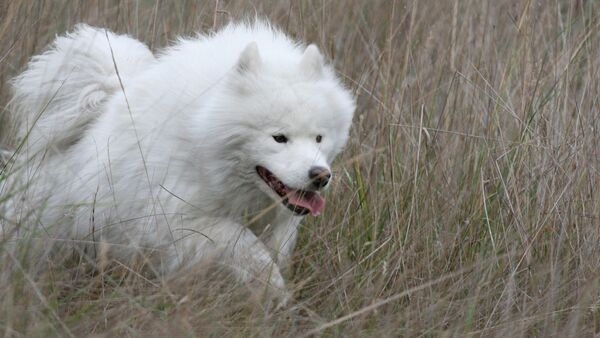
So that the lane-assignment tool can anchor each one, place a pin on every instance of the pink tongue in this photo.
(309, 200)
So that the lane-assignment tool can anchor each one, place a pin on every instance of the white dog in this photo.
(218, 146)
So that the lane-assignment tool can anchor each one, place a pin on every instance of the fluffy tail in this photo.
(63, 89)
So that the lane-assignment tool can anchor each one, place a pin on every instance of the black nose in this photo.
(319, 177)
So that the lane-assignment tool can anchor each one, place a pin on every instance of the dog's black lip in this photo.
(298, 210)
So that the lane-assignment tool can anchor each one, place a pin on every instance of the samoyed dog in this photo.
(213, 149)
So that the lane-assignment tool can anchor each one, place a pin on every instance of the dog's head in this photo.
(292, 118)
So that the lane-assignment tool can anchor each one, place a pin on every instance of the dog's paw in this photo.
(274, 299)
(270, 289)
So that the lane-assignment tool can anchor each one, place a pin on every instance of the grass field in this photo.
(466, 203)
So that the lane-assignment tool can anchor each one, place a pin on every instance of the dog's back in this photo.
(62, 89)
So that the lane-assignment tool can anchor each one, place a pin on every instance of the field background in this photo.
(466, 203)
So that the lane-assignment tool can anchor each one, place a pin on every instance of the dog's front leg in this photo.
(236, 247)
(282, 240)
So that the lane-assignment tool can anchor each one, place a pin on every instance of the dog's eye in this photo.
(319, 138)
(280, 138)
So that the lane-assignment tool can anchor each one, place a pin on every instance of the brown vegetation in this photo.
(465, 203)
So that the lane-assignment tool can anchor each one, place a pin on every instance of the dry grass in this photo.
(465, 203)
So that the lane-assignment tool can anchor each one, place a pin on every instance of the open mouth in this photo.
(301, 202)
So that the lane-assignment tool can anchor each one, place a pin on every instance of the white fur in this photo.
(168, 163)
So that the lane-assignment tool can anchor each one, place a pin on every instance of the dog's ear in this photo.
(312, 61)
(249, 60)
